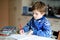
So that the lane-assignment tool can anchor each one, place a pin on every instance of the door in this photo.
(4, 16)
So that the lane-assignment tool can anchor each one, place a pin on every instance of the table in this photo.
(29, 37)
(24, 37)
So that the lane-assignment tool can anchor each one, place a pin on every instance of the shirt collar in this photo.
(40, 19)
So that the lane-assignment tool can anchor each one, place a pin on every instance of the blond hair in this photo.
(40, 6)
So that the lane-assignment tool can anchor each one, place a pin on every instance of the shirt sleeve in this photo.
(27, 27)
(46, 30)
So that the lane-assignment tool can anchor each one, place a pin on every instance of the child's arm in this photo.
(46, 32)
(27, 27)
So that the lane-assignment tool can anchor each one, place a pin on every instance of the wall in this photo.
(26, 3)
(15, 13)
(4, 16)
(24, 19)
(12, 12)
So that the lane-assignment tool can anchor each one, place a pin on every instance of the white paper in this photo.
(29, 37)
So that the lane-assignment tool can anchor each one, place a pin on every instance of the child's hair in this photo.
(40, 6)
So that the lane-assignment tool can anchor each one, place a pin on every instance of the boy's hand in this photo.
(30, 33)
(21, 32)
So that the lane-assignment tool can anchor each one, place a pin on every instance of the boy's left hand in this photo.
(21, 32)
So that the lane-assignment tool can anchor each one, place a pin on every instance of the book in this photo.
(7, 30)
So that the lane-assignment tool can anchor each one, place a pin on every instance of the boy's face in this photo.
(37, 14)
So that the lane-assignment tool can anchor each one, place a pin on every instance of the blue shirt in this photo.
(40, 27)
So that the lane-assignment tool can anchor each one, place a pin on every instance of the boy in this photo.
(39, 23)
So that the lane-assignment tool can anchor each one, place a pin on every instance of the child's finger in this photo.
(21, 32)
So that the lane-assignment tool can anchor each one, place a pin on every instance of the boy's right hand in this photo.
(21, 32)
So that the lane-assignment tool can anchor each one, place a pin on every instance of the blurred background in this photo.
(16, 12)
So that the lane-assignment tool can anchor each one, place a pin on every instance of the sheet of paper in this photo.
(17, 36)
(29, 37)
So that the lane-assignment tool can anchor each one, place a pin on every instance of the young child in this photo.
(39, 24)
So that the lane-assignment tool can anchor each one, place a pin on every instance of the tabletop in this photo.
(27, 37)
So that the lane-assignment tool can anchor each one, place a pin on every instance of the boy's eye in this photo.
(36, 13)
